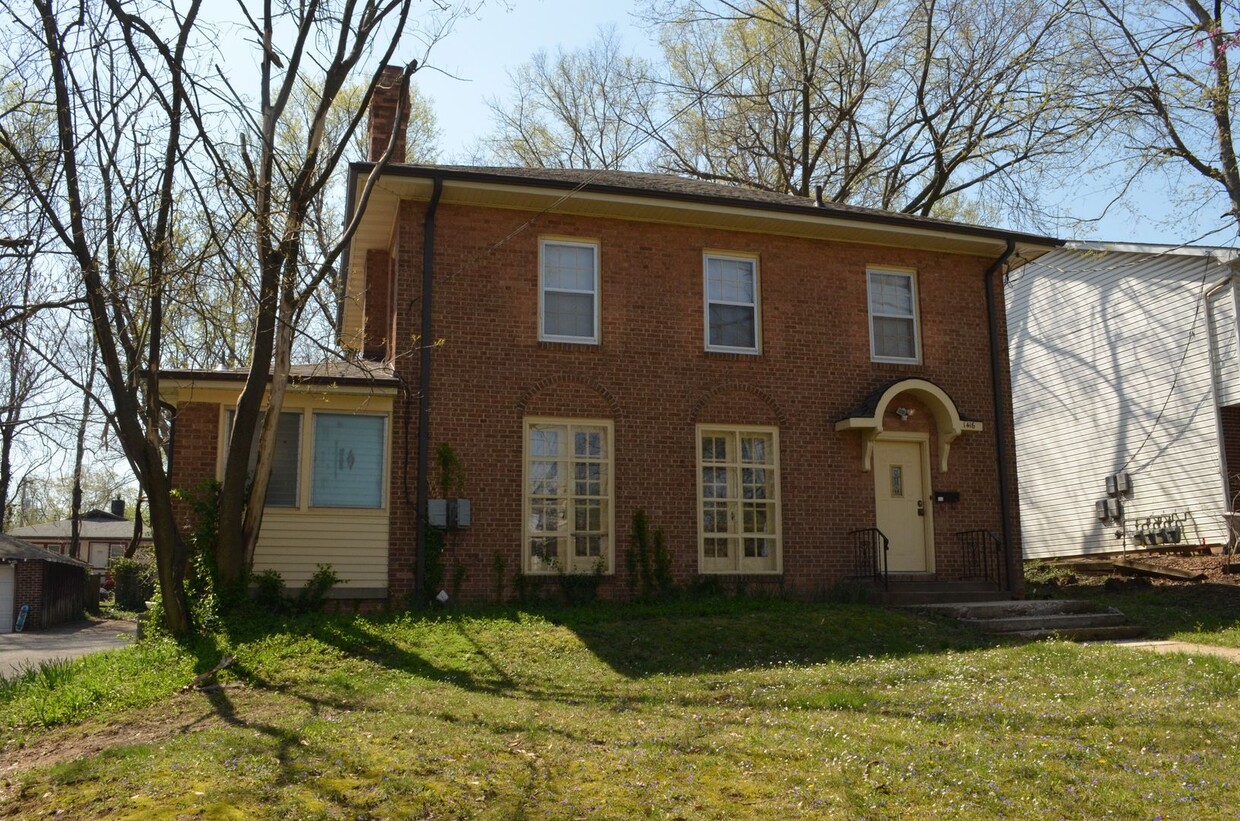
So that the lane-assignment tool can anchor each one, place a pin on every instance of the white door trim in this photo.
(922, 439)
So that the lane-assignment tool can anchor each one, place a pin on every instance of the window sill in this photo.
(556, 345)
(735, 356)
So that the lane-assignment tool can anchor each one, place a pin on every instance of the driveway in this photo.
(19, 651)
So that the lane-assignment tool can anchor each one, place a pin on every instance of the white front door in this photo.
(901, 505)
(7, 586)
(98, 552)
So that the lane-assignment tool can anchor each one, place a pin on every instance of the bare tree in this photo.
(1168, 79)
(907, 105)
(169, 179)
(579, 109)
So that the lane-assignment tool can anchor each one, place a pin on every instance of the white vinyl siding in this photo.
(348, 461)
(8, 591)
(892, 298)
(568, 292)
(1111, 369)
(569, 488)
(1223, 341)
(732, 317)
(738, 500)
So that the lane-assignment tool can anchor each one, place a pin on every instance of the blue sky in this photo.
(481, 49)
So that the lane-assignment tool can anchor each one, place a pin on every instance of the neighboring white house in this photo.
(1124, 359)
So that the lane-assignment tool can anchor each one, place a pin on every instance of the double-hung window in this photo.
(893, 316)
(738, 498)
(568, 496)
(732, 319)
(568, 292)
(283, 484)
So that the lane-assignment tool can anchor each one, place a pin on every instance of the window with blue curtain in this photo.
(348, 461)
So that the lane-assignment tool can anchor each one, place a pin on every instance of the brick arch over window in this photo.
(721, 398)
(869, 419)
(569, 395)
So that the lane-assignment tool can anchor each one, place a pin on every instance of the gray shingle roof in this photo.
(96, 527)
(640, 183)
(15, 550)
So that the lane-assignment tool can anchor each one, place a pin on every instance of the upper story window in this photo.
(893, 316)
(732, 323)
(568, 292)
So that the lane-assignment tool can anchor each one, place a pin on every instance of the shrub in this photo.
(134, 583)
(268, 592)
(311, 597)
(648, 560)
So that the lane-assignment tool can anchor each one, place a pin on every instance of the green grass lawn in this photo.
(1204, 613)
(713, 709)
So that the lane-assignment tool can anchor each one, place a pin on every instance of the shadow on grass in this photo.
(480, 652)
(721, 635)
(1164, 609)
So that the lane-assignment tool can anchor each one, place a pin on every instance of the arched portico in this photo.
(868, 419)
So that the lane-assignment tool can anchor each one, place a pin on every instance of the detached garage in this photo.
(53, 586)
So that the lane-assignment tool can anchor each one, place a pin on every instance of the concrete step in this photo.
(1050, 623)
(930, 598)
(999, 609)
(1034, 619)
(916, 585)
(1112, 633)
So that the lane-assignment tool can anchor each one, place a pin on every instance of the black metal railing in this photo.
(870, 554)
(984, 556)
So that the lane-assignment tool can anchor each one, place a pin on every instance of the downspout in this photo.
(996, 381)
(424, 386)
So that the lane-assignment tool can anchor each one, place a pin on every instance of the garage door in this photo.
(6, 598)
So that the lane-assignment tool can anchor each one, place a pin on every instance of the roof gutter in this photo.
(996, 384)
(871, 216)
(424, 386)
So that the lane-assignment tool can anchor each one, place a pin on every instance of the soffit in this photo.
(375, 230)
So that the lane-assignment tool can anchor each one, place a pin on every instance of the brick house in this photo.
(768, 378)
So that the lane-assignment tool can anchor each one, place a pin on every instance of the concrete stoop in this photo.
(1070, 620)
(910, 593)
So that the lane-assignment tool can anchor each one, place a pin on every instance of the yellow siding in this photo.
(354, 300)
(294, 543)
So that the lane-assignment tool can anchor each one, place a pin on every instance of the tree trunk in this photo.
(79, 454)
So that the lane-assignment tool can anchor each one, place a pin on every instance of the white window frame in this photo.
(755, 306)
(911, 275)
(543, 335)
(566, 562)
(735, 534)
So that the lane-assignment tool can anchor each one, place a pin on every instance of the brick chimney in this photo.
(383, 113)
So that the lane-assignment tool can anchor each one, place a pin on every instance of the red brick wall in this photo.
(194, 447)
(652, 376)
(29, 590)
